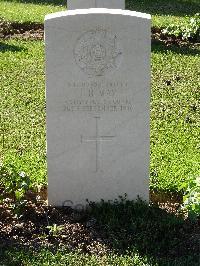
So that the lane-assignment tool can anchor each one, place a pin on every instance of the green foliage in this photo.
(191, 199)
(189, 31)
(15, 185)
(55, 229)
(164, 13)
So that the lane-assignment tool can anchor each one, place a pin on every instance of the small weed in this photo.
(55, 229)
(14, 185)
(191, 199)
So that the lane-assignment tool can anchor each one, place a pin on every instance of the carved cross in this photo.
(97, 139)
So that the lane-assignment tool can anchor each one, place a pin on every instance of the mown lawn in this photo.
(175, 116)
(166, 12)
(29, 10)
(163, 12)
(175, 112)
(23, 107)
(175, 138)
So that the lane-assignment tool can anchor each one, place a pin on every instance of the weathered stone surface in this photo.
(98, 94)
(76, 4)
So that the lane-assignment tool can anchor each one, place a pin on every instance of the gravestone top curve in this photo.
(97, 11)
(77, 4)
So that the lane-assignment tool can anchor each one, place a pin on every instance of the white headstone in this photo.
(76, 4)
(98, 94)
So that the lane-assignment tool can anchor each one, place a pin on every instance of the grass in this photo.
(175, 139)
(175, 112)
(163, 12)
(175, 116)
(62, 258)
(23, 11)
(46, 257)
(22, 113)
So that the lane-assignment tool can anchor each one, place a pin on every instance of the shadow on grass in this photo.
(152, 231)
(159, 7)
(163, 7)
(161, 47)
(4, 47)
(123, 226)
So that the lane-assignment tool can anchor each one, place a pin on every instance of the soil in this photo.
(35, 31)
(27, 30)
(38, 225)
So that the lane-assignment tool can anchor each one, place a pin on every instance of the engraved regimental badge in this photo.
(97, 52)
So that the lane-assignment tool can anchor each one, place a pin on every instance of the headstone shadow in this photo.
(4, 47)
(154, 233)
(121, 226)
